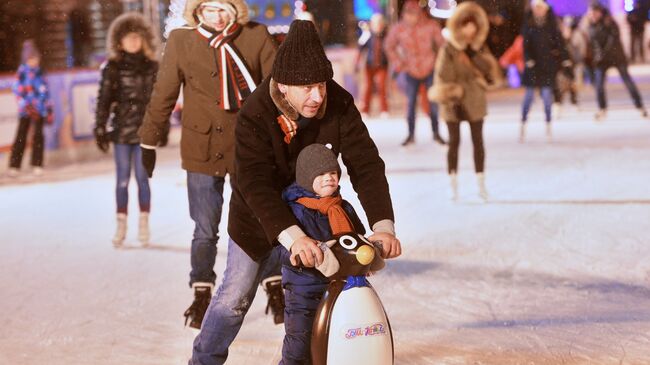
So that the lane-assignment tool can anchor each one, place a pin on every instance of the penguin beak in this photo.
(365, 255)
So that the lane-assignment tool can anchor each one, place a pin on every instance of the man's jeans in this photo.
(205, 195)
(600, 76)
(412, 92)
(547, 98)
(229, 305)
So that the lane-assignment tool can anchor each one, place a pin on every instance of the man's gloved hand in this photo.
(390, 245)
(307, 250)
(148, 160)
(101, 138)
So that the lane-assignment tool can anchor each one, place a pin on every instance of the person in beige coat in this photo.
(464, 70)
(218, 59)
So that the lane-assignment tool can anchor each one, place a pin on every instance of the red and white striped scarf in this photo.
(236, 80)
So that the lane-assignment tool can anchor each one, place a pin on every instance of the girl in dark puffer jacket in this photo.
(124, 91)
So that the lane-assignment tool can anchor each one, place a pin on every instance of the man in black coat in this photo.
(299, 105)
(607, 49)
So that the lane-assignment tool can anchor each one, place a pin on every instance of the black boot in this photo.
(194, 314)
(409, 140)
(438, 139)
(273, 287)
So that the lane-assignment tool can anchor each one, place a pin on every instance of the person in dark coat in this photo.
(371, 44)
(299, 105)
(124, 91)
(218, 33)
(34, 109)
(544, 54)
(607, 48)
(637, 18)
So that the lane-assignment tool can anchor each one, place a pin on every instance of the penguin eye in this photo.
(348, 242)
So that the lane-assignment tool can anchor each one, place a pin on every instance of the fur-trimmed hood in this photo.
(127, 23)
(463, 11)
(191, 6)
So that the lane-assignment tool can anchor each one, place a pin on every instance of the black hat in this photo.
(301, 59)
(314, 160)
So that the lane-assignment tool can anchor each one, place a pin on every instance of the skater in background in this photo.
(127, 79)
(636, 20)
(371, 44)
(297, 106)
(464, 70)
(565, 77)
(411, 46)
(544, 54)
(34, 109)
(316, 202)
(217, 31)
(608, 52)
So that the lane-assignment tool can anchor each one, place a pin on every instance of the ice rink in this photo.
(553, 269)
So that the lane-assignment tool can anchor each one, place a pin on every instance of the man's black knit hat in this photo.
(314, 160)
(301, 59)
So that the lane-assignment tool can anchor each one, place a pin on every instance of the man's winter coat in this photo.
(465, 70)
(265, 164)
(413, 48)
(207, 138)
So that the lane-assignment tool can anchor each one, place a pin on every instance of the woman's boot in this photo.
(120, 231)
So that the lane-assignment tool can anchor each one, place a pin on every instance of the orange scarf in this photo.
(331, 205)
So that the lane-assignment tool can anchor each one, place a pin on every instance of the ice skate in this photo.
(438, 139)
(120, 231)
(549, 131)
(143, 228)
(644, 113)
(600, 115)
(482, 190)
(195, 313)
(273, 288)
(522, 132)
(409, 140)
(453, 184)
(37, 171)
(13, 172)
(556, 110)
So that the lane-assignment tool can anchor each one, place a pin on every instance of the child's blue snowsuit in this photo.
(304, 288)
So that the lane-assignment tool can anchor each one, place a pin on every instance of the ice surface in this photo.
(554, 269)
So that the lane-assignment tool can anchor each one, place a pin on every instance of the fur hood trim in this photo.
(287, 109)
(462, 12)
(191, 6)
(128, 23)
